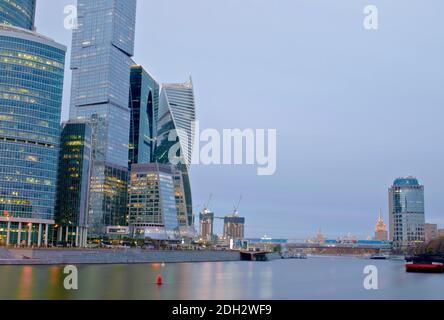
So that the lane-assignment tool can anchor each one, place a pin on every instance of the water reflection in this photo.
(25, 285)
(315, 278)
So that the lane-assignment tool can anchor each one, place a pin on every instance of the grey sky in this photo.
(354, 108)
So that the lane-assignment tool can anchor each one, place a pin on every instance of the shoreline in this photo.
(45, 257)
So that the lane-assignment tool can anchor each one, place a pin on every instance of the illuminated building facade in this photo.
(151, 204)
(381, 232)
(18, 13)
(74, 174)
(108, 198)
(407, 216)
(102, 47)
(31, 87)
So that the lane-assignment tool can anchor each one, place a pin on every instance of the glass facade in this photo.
(102, 47)
(74, 176)
(31, 87)
(108, 198)
(407, 212)
(151, 203)
(181, 208)
(18, 13)
(177, 115)
(143, 103)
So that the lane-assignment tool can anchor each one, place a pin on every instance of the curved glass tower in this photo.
(176, 118)
(407, 219)
(18, 13)
(31, 87)
(143, 103)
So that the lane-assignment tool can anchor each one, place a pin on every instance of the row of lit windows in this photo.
(22, 77)
(34, 111)
(11, 132)
(25, 91)
(32, 47)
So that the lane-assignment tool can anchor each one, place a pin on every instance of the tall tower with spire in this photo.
(381, 232)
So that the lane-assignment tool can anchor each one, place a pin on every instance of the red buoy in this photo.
(159, 280)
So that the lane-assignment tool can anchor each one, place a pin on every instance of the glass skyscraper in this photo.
(31, 87)
(151, 203)
(18, 13)
(102, 47)
(144, 104)
(407, 218)
(108, 198)
(177, 114)
(74, 174)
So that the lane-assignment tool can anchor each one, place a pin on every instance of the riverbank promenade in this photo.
(109, 256)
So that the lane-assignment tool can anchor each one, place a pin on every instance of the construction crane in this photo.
(236, 208)
(207, 205)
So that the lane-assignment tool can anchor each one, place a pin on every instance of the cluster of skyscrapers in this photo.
(121, 163)
(110, 167)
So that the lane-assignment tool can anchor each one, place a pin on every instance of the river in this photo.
(314, 278)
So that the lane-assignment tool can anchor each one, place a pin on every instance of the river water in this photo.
(314, 278)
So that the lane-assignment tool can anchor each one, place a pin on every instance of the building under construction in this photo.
(234, 227)
(206, 222)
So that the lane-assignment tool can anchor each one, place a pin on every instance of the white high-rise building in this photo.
(175, 132)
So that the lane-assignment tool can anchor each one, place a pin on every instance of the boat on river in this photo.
(425, 263)
(293, 255)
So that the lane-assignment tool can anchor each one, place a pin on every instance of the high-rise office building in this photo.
(18, 13)
(176, 118)
(74, 176)
(151, 203)
(407, 217)
(181, 207)
(143, 103)
(31, 87)
(381, 232)
(108, 198)
(102, 47)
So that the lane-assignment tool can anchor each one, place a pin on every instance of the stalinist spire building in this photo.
(381, 232)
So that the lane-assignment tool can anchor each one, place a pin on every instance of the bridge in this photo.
(328, 246)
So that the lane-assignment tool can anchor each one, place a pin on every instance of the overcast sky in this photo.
(354, 109)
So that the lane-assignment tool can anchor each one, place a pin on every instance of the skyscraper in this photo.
(175, 134)
(31, 87)
(102, 47)
(74, 175)
(143, 103)
(381, 232)
(18, 13)
(151, 203)
(407, 217)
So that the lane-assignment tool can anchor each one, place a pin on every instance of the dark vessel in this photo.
(379, 257)
(425, 263)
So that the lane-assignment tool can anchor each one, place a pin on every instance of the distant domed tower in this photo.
(381, 232)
